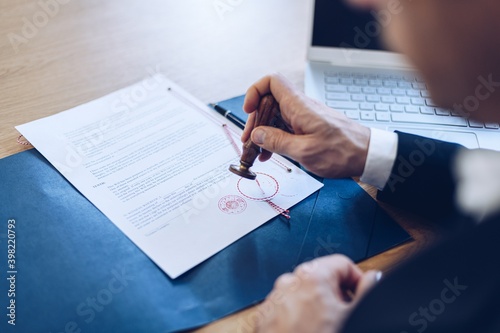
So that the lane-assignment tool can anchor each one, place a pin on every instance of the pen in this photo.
(229, 115)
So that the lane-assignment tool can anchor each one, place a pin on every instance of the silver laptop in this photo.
(349, 70)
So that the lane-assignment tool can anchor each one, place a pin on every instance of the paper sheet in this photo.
(155, 161)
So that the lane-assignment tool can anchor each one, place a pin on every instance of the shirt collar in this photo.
(478, 182)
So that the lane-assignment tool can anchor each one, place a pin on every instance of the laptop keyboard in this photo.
(394, 99)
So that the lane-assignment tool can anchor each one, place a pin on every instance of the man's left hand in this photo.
(317, 297)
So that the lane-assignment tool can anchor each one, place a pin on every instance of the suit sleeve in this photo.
(450, 287)
(421, 179)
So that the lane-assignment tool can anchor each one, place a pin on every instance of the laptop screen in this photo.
(336, 24)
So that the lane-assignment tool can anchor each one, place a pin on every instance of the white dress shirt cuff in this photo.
(382, 152)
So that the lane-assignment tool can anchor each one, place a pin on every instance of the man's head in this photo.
(455, 44)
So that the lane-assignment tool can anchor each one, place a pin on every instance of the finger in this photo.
(275, 84)
(345, 280)
(249, 126)
(265, 155)
(367, 282)
(259, 323)
(286, 281)
(338, 269)
(276, 141)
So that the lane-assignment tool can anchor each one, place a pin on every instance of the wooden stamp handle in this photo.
(268, 114)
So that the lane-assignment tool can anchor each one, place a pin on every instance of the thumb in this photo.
(367, 282)
(275, 140)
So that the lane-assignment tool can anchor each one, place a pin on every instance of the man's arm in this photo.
(451, 287)
(421, 179)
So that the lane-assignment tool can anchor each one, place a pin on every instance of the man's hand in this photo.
(325, 142)
(317, 297)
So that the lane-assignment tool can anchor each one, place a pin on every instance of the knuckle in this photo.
(284, 281)
(287, 102)
(306, 154)
(277, 142)
(341, 258)
(302, 149)
(308, 272)
(338, 259)
(274, 76)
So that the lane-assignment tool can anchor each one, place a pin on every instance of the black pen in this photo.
(229, 115)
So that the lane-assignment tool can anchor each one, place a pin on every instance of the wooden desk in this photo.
(87, 48)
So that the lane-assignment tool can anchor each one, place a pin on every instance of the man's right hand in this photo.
(325, 141)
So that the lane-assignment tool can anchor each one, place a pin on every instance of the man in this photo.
(453, 287)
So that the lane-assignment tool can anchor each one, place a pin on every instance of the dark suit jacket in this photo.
(453, 286)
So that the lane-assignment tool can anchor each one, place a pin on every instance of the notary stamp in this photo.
(232, 204)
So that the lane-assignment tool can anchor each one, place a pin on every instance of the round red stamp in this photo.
(232, 204)
(264, 188)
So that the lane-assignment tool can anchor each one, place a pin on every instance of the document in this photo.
(155, 161)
